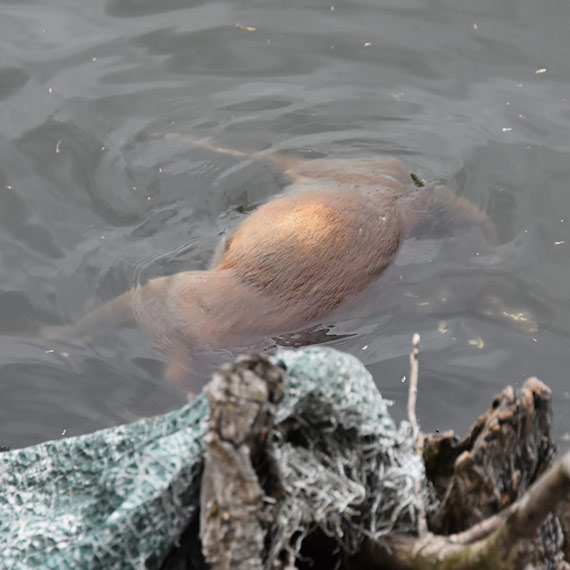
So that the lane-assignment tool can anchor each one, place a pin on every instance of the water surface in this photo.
(101, 187)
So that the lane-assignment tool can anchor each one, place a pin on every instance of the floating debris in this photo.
(245, 28)
(520, 317)
(416, 180)
(478, 342)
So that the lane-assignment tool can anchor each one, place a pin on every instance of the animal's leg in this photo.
(425, 203)
(146, 302)
(286, 164)
(115, 313)
(463, 210)
(177, 364)
(220, 251)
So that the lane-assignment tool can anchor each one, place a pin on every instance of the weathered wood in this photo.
(508, 447)
(487, 502)
(412, 418)
(496, 511)
(234, 517)
(508, 547)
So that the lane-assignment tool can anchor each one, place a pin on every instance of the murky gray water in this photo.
(100, 186)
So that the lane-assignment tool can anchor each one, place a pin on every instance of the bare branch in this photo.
(506, 548)
(413, 391)
(419, 442)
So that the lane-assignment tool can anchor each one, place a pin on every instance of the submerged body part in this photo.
(290, 262)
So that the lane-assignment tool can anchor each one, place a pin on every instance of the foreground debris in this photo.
(499, 508)
(235, 512)
(293, 462)
(303, 454)
(492, 500)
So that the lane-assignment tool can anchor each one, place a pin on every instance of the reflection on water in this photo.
(95, 196)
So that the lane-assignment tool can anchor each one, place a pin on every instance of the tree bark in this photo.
(234, 515)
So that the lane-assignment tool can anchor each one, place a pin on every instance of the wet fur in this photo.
(289, 263)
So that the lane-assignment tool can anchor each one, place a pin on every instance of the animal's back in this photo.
(312, 250)
(290, 262)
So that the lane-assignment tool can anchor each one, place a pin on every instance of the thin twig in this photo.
(413, 393)
(419, 443)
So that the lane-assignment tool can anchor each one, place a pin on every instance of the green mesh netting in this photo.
(121, 497)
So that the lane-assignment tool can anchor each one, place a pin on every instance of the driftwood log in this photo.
(234, 512)
(498, 509)
(499, 501)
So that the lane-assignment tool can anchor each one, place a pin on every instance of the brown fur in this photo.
(291, 261)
